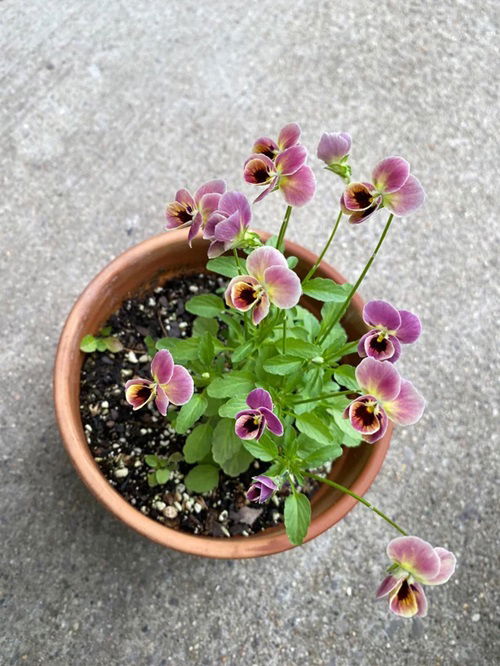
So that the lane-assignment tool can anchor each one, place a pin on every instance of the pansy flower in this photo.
(193, 211)
(387, 396)
(287, 173)
(415, 563)
(251, 423)
(392, 187)
(171, 383)
(261, 489)
(227, 225)
(390, 328)
(333, 150)
(269, 280)
(289, 136)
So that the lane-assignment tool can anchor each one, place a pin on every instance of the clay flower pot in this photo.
(138, 270)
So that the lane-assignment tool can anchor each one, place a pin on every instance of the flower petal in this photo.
(362, 215)
(212, 187)
(241, 292)
(448, 562)
(208, 205)
(387, 585)
(228, 229)
(266, 146)
(161, 401)
(299, 188)
(390, 174)
(404, 600)
(272, 421)
(410, 328)
(416, 556)
(179, 215)
(184, 197)
(138, 392)
(249, 424)
(333, 146)
(282, 286)
(289, 136)
(290, 160)
(407, 407)
(215, 249)
(379, 379)
(387, 349)
(407, 199)
(162, 366)
(364, 415)
(180, 388)
(194, 229)
(381, 313)
(261, 310)
(262, 258)
(259, 397)
(358, 196)
(233, 202)
(258, 170)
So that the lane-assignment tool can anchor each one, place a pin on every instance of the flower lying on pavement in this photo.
(171, 383)
(390, 328)
(387, 396)
(415, 562)
(269, 281)
(261, 489)
(393, 187)
(289, 136)
(251, 423)
(193, 211)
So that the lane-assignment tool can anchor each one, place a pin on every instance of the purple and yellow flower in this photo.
(261, 489)
(288, 173)
(334, 147)
(251, 423)
(387, 397)
(289, 136)
(392, 187)
(390, 328)
(269, 281)
(227, 225)
(415, 563)
(193, 211)
(171, 383)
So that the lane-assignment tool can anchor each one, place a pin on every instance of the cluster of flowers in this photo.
(224, 218)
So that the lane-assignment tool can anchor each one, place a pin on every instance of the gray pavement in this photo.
(106, 108)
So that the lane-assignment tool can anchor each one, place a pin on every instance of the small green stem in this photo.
(240, 268)
(284, 332)
(355, 287)
(345, 490)
(325, 249)
(284, 226)
(322, 397)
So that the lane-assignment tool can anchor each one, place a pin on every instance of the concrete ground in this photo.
(106, 109)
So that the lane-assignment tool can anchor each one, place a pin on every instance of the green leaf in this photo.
(198, 443)
(292, 261)
(101, 344)
(162, 475)
(231, 384)
(238, 463)
(263, 448)
(205, 305)
(309, 321)
(151, 460)
(314, 427)
(206, 349)
(297, 517)
(302, 349)
(224, 266)
(325, 290)
(182, 349)
(234, 405)
(283, 364)
(88, 344)
(322, 455)
(276, 469)
(345, 375)
(104, 332)
(271, 241)
(242, 351)
(233, 324)
(335, 339)
(113, 344)
(152, 479)
(202, 478)
(191, 412)
(225, 443)
(351, 437)
(150, 345)
(201, 325)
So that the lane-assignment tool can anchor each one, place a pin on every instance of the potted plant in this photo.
(223, 398)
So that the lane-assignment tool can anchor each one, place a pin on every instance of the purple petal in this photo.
(358, 196)
(381, 313)
(379, 379)
(421, 599)
(290, 160)
(266, 146)
(249, 424)
(416, 556)
(376, 436)
(180, 388)
(212, 187)
(261, 489)
(390, 174)
(211, 223)
(228, 294)
(282, 286)
(361, 343)
(261, 310)
(407, 407)
(362, 215)
(184, 197)
(333, 146)
(410, 328)
(228, 229)
(406, 200)
(161, 401)
(388, 585)
(259, 397)
(258, 170)
(241, 292)
(233, 202)
(267, 191)
(364, 415)
(138, 392)
(208, 205)
(179, 215)
(266, 481)
(299, 188)
(272, 421)
(215, 249)
(408, 600)
(289, 136)
(194, 229)
(448, 562)
(162, 366)
(261, 259)
(387, 349)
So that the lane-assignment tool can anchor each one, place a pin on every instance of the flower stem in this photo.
(322, 397)
(283, 228)
(355, 287)
(324, 251)
(284, 332)
(238, 264)
(345, 490)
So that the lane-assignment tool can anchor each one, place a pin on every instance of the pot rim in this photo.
(68, 357)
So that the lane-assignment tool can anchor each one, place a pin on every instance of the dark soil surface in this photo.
(120, 438)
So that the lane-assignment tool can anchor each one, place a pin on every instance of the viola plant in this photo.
(262, 378)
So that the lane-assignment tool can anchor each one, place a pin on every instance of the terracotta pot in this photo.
(136, 271)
